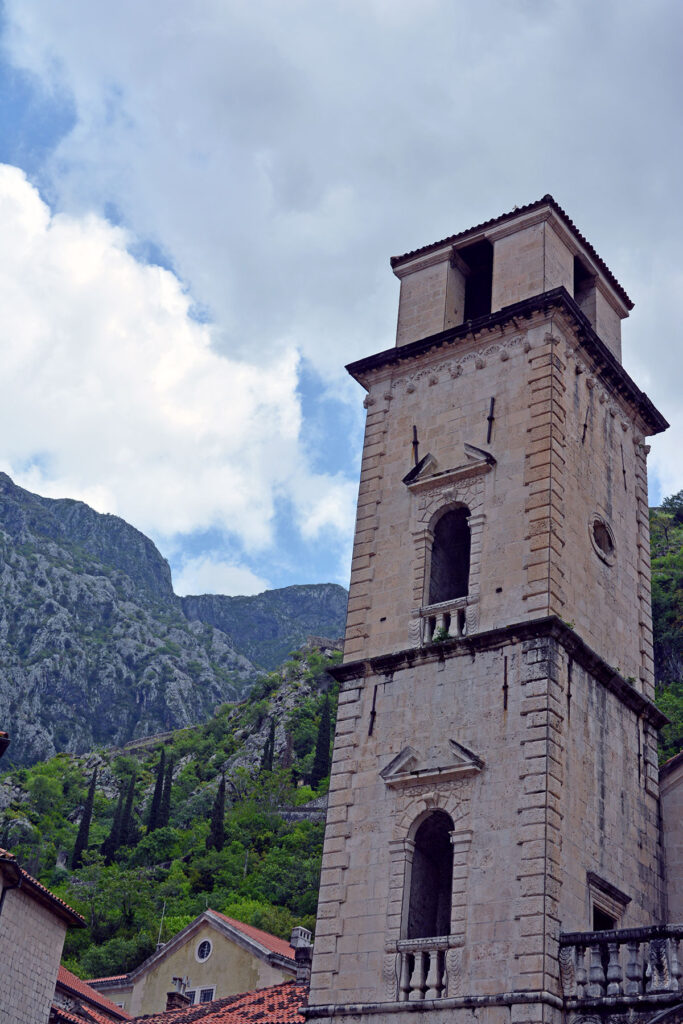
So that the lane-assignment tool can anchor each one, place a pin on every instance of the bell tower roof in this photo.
(521, 215)
(517, 256)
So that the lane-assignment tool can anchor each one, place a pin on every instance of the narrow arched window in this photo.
(450, 565)
(431, 878)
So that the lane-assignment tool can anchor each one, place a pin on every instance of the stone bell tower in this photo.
(494, 783)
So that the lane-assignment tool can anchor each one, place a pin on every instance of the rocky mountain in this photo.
(156, 871)
(266, 627)
(96, 649)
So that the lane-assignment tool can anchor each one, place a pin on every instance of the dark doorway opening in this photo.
(479, 259)
(431, 879)
(450, 567)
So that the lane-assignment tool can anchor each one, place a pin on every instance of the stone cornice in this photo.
(557, 299)
(419, 1006)
(548, 626)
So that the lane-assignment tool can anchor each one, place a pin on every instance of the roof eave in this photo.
(558, 298)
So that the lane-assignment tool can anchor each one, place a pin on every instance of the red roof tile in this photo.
(279, 1004)
(111, 977)
(86, 1015)
(81, 988)
(270, 942)
(40, 893)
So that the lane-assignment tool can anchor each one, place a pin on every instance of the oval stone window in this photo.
(203, 950)
(602, 539)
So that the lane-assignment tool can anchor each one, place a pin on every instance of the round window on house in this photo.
(203, 951)
(602, 539)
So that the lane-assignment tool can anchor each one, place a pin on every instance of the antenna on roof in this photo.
(161, 924)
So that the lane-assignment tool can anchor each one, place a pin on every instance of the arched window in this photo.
(450, 566)
(431, 878)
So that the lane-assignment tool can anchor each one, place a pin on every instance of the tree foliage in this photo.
(666, 531)
(216, 836)
(321, 759)
(155, 805)
(84, 827)
(265, 871)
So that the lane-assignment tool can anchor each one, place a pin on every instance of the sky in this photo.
(198, 202)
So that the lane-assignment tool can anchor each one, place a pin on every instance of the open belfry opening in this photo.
(493, 848)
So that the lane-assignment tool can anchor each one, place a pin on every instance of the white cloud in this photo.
(209, 574)
(112, 393)
(279, 154)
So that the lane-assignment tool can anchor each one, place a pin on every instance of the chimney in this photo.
(176, 998)
(303, 954)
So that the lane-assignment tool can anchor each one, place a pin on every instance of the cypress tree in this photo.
(216, 836)
(321, 759)
(165, 805)
(269, 749)
(155, 806)
(84, 827)
(129, 832)
(113, 840)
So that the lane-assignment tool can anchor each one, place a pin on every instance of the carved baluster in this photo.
(580, 969)
(658, 966)
(633, 986)
(454, 972)
(614, 974)
(675, 965)
(417, 985)
(567, 956)
(596, 973)
(404, 980)
(433, 981)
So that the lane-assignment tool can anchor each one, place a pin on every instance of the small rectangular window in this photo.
(602, 922)
(206, 995)
(607, 903)
(191, 995)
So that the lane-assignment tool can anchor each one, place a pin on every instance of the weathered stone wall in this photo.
(361, 913)
(566, 450)
(562, 793)
(609, 811)
(672, 820)
(31, 940)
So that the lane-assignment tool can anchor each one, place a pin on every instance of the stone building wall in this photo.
(31, 941)
(672, 818)
(533, 510)
(561, 797)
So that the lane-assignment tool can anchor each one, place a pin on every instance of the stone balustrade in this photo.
(444, 620)
(423, 969)
(631, 962)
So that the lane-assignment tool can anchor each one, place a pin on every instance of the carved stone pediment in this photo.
(427, 474)
(410, 768)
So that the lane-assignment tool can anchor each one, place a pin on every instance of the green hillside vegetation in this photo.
(155, 848)
(666, 535)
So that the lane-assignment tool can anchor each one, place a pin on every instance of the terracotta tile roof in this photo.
(40, 893)
(547, 200)
(265, 939)
(76, 986)
(111, 977)
(86, 1015)
(279, 1004)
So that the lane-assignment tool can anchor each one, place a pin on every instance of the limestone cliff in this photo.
(95, 648)
(267, 626)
